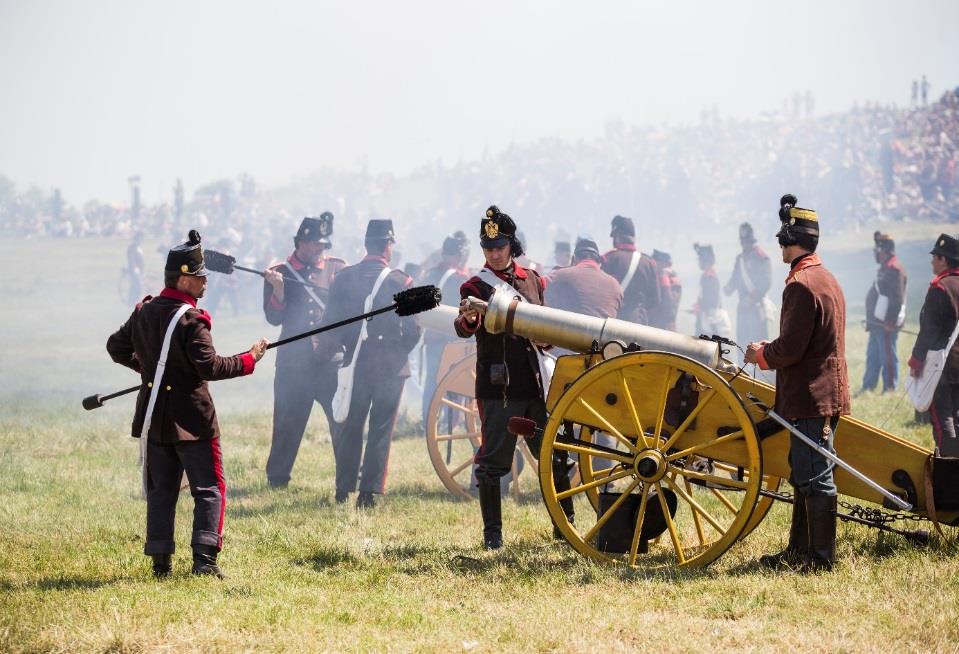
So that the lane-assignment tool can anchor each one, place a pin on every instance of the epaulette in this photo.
(146, 298)
(204, 316)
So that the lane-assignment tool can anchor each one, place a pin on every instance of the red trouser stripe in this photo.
(221, 484)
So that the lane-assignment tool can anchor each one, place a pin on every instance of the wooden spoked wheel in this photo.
(706, 455)
(453, 432)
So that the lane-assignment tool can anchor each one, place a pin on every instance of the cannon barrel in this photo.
(573, 331)
(439, 320)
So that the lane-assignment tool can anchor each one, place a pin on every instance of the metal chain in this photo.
(874, 515)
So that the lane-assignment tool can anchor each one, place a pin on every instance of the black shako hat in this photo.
(622, 226)
(496, 229)
(662, 258)
(316, 229)
(455, 244)
(884, 242)
(562, 247)
(705, 253)
(746, 233)
(187, 259)
(946, 246)
(380, 230)
(796, 220)
(586, 244)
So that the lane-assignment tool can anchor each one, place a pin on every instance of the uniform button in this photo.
(149, 384)
(169, 388)
(310, 300)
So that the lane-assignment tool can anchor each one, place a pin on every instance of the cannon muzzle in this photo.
(576, 332)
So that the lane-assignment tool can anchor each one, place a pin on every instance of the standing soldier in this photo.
(448, 276)
(671, 292)
(635, 272)
(167, 340)
(380, 364)
(584, 287)
(751, 278)
(510, 378)
(885, 314)
(812, 388)
(305, 373)
(937, 323)
(711, 318)
(562, 256)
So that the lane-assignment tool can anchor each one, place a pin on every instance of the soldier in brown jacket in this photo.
(888, 293)
(175, 409)
(636, 273)
(812, 388)
(305, 373)
(584, 287)
(509, 378)
(937, 320)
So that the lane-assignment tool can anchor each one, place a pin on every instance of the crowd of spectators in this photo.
(871, 163)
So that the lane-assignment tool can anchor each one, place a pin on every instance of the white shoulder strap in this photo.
(306, 285)
(633, 264)
(157, 379)
(367, 307)
(449, 273)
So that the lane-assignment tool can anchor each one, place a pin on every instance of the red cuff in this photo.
(249, 363)
(761, 358)
(466, 325)
(917, 365)
(276, 304)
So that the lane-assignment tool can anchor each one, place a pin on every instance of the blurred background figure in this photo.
(635, 272)
(885, 315)
(751, 279)
(711, 318)
(670, 292)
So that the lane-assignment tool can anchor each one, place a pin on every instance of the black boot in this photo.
(798, 547)
(204, 561)
(822, 533)
(365, 500)
(561, 484)
(162, 565)
(492, 510)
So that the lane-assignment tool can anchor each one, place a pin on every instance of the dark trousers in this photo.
(295, 389)
(881, 357)
(203, 463)
(944, 415)
(495, 457)
(810, 472)
(376, 397)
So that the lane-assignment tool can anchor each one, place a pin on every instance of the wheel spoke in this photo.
(458, 437)
(608, 425)
(637, 425)
(638, 529)
(719, 481)
(725, 501)
(670, 525)
(460, 468)
(610, 511)
(700, 405)
(696, 449)
(696, 506)
(581, 449)
(593, 484)
(459, 407)
(661, 411)
(696, 519)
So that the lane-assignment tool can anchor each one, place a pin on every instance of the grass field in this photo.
(306, 575)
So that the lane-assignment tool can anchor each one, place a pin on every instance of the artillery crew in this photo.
(885, 314)
(447, 276)
(377, 351)
(584, 287)
(670, 290)
(295, 296)
(937, 326)
(167, 341)
(751, 279)
(711, 318)
(812, 386)
(635, 272)
(510, 372)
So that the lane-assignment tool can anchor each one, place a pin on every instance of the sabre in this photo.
(898, 329)
(405, 303)
(226, 264)
(895, 499)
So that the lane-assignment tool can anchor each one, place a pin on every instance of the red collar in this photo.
(629, 247)
(945, 273)
(891, 261)
(376, 257)
(588, 263)
(299, 265)
(806, 262)
(519, 272)
(174, 294)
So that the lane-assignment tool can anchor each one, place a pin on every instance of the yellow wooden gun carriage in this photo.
(678, 456)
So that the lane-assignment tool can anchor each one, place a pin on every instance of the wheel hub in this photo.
(650, 465)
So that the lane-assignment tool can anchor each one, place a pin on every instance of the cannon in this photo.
(679, 455)
(452, 421)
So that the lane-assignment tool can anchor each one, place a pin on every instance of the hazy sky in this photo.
(93, 92)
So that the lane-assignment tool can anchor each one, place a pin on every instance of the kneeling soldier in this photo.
(167, 340)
